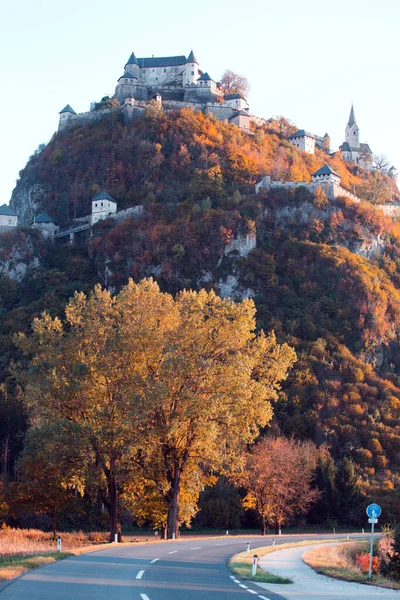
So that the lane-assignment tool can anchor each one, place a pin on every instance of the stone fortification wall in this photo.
(134, 211)
(332, 190)
(390, 210)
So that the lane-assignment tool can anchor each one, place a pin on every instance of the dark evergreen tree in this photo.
(349, 499)
(325, 508)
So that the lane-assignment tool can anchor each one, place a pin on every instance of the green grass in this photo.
(243, 571)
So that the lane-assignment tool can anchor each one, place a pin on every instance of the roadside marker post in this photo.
(59, 544)
(373, 511)
(273, 541)
(116, 538)
(254, 565)
(248, 547)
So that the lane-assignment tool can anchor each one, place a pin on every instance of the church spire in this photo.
(352, 118)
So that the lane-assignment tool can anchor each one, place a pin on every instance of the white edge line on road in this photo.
(263, 597)
(144, 597)
(173, 552)
(154, 560)
(140, 575)
(243, 586)
(252, 591)
(236, 580)
(196, 548)
(232, 576)
(221, 544)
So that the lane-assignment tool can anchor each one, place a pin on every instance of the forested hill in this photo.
(324, 275)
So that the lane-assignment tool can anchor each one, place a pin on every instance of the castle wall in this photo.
(304, 143)
(332, 190)
(161, 75)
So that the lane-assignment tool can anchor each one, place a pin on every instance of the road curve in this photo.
(187, 569)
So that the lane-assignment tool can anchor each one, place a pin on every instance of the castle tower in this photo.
(191, 73)
(67, 115)
(352, 131)
(132, 66)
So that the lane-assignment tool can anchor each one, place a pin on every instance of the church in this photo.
(352, 149)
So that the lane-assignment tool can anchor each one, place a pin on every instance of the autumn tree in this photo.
(381, 163)
(232, 83)
(50, 473)
(154, 384)
(278, 477)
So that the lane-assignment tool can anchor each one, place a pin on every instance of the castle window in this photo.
(165, 70)
(101, 204)
(192, 72)
(96, 205)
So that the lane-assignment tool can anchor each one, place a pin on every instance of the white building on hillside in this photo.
(8, 217)
(352, 149)
(102, 206)
(303, 141)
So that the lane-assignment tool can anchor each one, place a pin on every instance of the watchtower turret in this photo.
(67, 115)
(191, 73)
(132, 66)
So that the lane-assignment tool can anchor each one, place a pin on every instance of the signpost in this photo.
(373, 511)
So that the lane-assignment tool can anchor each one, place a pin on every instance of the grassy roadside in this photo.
(240, 564)
(337, 562)
(14, 566)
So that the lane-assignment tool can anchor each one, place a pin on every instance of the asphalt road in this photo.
(193, 569)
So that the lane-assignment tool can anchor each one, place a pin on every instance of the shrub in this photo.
(362, 561)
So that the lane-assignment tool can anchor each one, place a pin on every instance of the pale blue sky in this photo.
(305, 59)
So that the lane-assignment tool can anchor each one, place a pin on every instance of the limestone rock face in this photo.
(17, 261)
(26, 200)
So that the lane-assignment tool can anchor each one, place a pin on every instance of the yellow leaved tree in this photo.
(157, 386)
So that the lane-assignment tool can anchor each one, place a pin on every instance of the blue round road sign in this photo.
(374, 511)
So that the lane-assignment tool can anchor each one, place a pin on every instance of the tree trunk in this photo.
(113, 510)
(264, 525)
(173, 506)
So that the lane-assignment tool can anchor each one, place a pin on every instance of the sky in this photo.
(307, 60)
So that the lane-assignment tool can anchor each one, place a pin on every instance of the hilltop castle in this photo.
(172, 82)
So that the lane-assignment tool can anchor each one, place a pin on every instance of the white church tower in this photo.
(352, 131)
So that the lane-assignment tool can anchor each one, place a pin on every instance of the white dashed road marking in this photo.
(263, 597)
(144, 597)
(154, 560)
(252, 591)
(196, 548)
(243, 586)
(221, 544)
(140, 575)
(173, 552)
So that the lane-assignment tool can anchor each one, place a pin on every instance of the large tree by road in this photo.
(155, 383)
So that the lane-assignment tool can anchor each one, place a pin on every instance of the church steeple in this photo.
(352, 118)
(352, 131)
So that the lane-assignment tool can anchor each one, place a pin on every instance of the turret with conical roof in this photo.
(67, 114)
(352, 134)
(191, 74)
(132, 66)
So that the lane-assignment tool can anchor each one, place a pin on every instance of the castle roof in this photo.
(104, 196)
(191, 58)
(132, 60)
(301, 133)
(352, 118)
(365, 148)
(240, 113)
(6, 210)
(127, 75)
(67, 109)
(235, 96)
(44, 218)
(205, 77)
(163, 61)
(325, 170)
